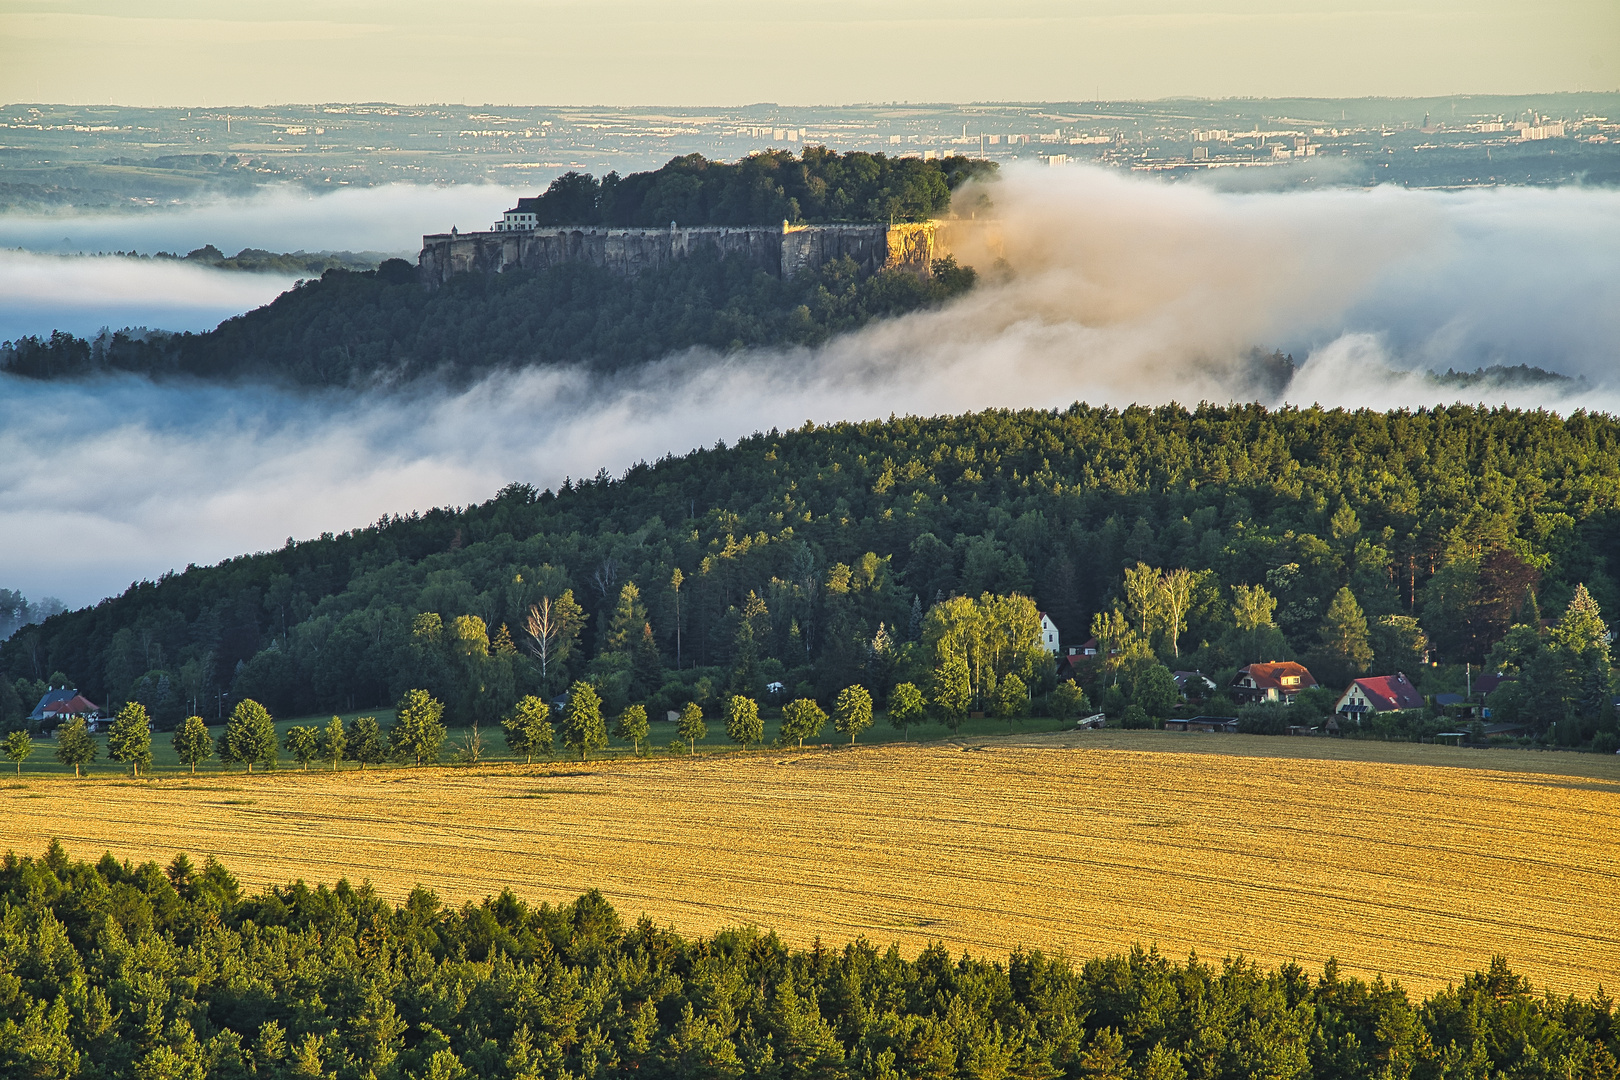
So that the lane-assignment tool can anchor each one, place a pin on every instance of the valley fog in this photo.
(1114, 290)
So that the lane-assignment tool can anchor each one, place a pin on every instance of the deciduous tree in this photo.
(129, 740)
(632, 727)
(906, 707)
(801, 720)
(743, 725)
(192, 743)
(304, 744)
(334, 742)
(418, 733)
(250, 736)
(18, 746)
(691, 726)
(528, 728)
(852, 711)
(364, 742)
(75, 745)
(583, 728)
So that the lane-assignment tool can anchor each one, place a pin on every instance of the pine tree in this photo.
(333, 742)
(852, 711)
(363, 742)
(691, 726)
(906, 707)
(528, 729)
(250, 736)
(501, 644)
(418, 733)
(743, 725)
(18, 746)
(1345, 650)
(583, 728)
(129, 740)
(648, 669)
(75, 745)
(632, 727)
(192, 743)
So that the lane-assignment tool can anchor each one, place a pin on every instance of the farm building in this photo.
(59, 705)
(1377, 694)
(1281, 681)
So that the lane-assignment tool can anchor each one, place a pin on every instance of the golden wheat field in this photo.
(1397, 866)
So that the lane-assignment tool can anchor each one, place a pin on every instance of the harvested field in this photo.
(1395, 866)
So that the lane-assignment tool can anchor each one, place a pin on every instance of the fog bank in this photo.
(1117, 291)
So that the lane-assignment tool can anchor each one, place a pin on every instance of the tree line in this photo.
(830, 556)
(354, 327)
(121, 971)
(820, 185)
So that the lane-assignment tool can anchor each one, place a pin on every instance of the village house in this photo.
(58, 706)
(1281, 681)
(1049, 634)
(1378, 694)
(1193, 684)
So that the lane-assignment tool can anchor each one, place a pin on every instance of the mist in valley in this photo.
(1102, 288)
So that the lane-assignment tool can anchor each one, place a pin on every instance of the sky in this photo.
(721, 52)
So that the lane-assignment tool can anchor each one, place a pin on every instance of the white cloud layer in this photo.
(1122, 291)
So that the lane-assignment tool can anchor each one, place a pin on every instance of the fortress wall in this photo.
(783, 250)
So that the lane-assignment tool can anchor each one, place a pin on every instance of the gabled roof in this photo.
(1270, 676)
(63, 702)
(1390, 692)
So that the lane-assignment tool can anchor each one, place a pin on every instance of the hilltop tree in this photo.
(364, 743)
(906, 707)
(528, 728)
(75, 745)
(304, 744)
(192, 743)
(418, 733)
(333, 742)
(250, 737)
(743, 725)
(18, 746)
(129, 740)
(852, 711)
(583, 728)
(691, 726)
(801, 720)
(632, 727)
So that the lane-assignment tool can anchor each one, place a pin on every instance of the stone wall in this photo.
(782, 250)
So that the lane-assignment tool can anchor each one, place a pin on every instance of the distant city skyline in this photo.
(679, 52)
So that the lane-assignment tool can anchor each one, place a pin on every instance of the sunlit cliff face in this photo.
(1114, 290)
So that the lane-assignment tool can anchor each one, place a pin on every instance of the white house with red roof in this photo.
(1379, 693)
(62, 704)
(1281, 681)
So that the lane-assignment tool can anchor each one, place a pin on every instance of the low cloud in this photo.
(1119, 291)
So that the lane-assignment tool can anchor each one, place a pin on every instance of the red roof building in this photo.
(1281, 681)
(1382, 693)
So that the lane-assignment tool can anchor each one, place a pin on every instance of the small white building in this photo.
(1049, 634)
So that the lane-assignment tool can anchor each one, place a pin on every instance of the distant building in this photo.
(58, 706)
(1280, 681)
(1193, 683)
(1227, 724)
(1049, 634)
(1378, 694)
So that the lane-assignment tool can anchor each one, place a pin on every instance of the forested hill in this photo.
(335, 982)
(358, 328)
(820, 185)
(813, 557)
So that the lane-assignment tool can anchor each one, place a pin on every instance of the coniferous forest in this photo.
(916, 552)
(114, 970)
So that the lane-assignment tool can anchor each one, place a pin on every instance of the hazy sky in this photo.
(692, 52)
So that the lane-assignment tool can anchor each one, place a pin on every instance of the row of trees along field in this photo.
(831, 556)
(122, 971)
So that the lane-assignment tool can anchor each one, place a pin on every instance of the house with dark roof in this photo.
(1378, 694)
(1281, 681)
(1193, 684)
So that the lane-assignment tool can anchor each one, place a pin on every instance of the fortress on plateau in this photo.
(782, 250)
